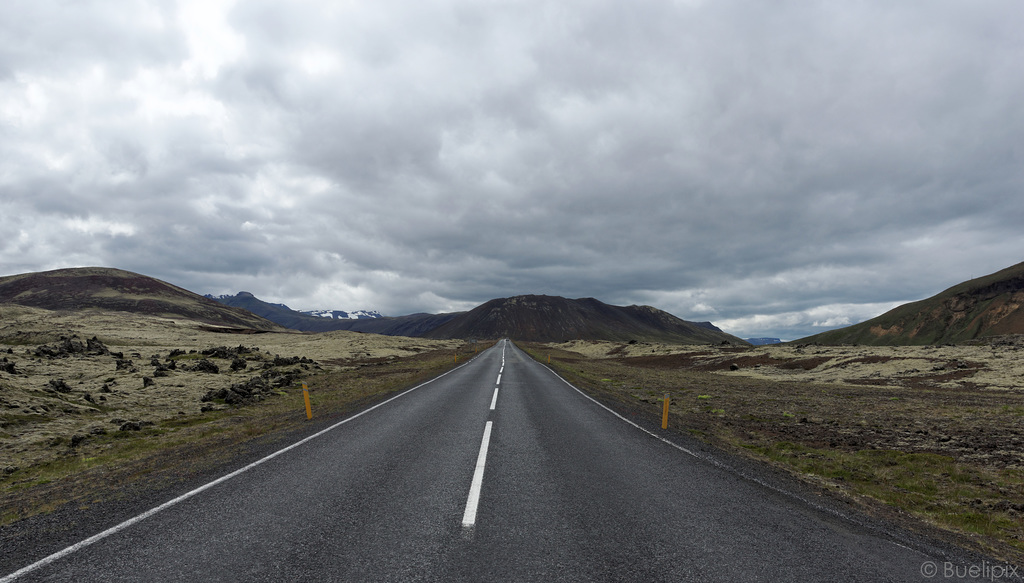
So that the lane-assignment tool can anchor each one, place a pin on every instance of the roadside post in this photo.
(664, 413)
(305, 396)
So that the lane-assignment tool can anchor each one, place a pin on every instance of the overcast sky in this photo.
(777, 168)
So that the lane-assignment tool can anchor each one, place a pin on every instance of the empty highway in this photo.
(495, 471)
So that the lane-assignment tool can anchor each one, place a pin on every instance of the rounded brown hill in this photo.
(104, 288)
(539, 318)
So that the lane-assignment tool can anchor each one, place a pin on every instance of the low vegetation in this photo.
(107, 405)
(932, 433)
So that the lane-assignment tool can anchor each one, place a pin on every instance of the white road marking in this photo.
(469, 516)
(494, 399)
(499, 379)
(726, 467)
(131, 521)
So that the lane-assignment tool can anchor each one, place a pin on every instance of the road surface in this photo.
(496, 471)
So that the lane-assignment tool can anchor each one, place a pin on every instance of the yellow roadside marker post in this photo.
(305, 396)
(664, 413)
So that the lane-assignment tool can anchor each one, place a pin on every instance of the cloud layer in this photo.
(778, 170)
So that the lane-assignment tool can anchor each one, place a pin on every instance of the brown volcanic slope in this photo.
(121, 291)
(555, 319)
(987, 306)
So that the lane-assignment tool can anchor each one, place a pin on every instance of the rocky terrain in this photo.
(67, 378)
(933, 432)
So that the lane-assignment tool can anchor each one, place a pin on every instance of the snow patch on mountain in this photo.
(342, 315)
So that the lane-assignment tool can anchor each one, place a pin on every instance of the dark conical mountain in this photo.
(541, 318)
(104, 288)
(982, 307)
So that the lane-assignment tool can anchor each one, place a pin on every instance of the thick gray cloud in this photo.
(777, 169)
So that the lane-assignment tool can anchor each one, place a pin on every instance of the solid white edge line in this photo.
(714, 462)
(131, 521)
(494, 399)
(469, 516)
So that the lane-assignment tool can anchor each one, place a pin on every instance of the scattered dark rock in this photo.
(127, 365)
(77, 439)
(147, 382)
(134, 425)
(7, 366)
(238, 364)
(161, 371)
(71, 345)
(220, 352)
(734, 366)
(94, 346)
(88, 397)
(204, 365)
(253, 389)
(59, 385)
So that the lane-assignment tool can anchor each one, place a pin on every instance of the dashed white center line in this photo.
(469, 516)
(499, 379)
(494, 399)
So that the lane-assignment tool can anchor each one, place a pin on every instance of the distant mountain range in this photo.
(540, 318)
(340, 315)
(532, 318)
(244, 298)
(763, 341)
(983, 307)
(979, 308)
(411, 325)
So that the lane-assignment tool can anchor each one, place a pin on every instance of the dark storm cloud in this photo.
(775, 169)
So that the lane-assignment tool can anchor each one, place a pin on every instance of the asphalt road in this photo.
(567, 491)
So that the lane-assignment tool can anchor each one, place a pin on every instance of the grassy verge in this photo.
(950, 459)
(118, 464)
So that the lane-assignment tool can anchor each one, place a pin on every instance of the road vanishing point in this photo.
(498, 470)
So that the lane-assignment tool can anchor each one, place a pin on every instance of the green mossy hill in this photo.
(979, 308)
